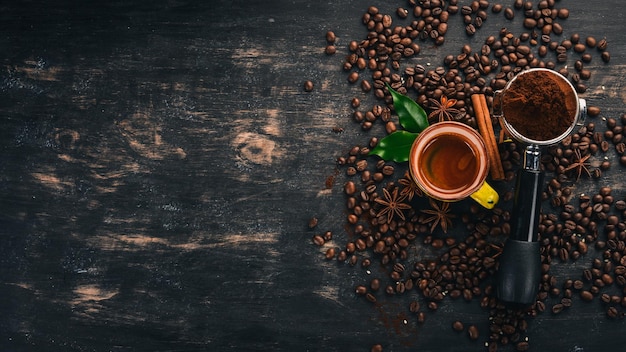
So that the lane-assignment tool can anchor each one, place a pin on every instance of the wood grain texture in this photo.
(160, 162)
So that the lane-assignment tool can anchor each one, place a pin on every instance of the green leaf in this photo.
(395, 147)
(412, 117)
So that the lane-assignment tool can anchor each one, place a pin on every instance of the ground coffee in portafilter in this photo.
(540, 106)
(388, 220)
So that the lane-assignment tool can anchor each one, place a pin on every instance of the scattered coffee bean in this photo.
(349, 188)
(472, 332)
(522, 346)
(318, 240)
(591, 42)
(593, 111)
(308, 86)
(377, 348)
(586, 296)
(508, 13)
(579, 48)
(457, 326)
(330, 37)
(330, 253)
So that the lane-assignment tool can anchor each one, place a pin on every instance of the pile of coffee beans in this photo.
(461, 266)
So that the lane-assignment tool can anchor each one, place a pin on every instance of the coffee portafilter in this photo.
(519, 271)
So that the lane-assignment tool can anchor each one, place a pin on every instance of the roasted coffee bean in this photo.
(366, 86)
(593, 111)
(470, 29)
(313, 222)
(591, 42)
(612, 312)
(414, 307)
(349, 188)
(402, 12)
(330, 253)
(361, 290)
(377, 348)
(579, 48)
(353, 77)
(342, 256)
(557, 308)
(578, 65)
(530, 23)
(586, 296)
(473, 332)
(557, 28)
(509, 14)
(578, 284)
(308, 86)
(318, 240)
(604, 146)
(458, 326)
(421, 317)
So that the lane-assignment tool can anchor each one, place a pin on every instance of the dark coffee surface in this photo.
(160, 162)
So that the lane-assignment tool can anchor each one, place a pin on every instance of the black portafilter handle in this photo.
(519, 271)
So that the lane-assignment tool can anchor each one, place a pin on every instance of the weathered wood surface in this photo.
(160, 162)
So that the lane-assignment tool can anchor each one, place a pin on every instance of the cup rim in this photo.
(449, 128)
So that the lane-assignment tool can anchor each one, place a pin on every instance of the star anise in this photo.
(440, 215)
(580, 164)
(392, 205)
(443, 109)
(410, 188)
(498, 250)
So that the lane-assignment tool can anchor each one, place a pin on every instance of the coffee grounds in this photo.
(539, 106)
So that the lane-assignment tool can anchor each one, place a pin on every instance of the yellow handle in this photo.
(486, 196)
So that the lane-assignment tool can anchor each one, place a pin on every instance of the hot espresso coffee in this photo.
(449, 163)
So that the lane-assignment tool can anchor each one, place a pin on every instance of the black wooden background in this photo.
(160, 161)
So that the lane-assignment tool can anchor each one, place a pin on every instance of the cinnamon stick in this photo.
(485, 127)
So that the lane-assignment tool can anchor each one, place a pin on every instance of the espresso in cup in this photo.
(449, 162)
